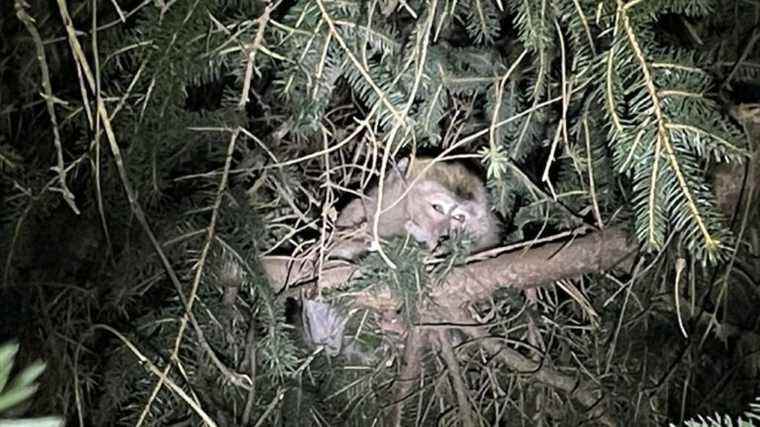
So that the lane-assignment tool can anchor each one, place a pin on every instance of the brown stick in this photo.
(474, 282)
(596, 252)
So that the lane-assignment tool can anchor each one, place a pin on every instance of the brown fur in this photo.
(453, 176)
(444, 183)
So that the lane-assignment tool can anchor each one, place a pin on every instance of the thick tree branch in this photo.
(474, 282)
(596, 252)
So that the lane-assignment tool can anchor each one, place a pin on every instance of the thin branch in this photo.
(50, 99)
(251, 50)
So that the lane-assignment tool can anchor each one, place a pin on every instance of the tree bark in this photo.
(595, 252)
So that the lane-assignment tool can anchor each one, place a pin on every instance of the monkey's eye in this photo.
(459, 218)
(438, 208)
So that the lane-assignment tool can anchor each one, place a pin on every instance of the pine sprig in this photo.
(650, 10)
(702, 219)
(481, 20)
(655, 136)
(535, 24)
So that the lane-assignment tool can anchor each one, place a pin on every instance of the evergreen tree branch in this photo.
(592, 187)
(251, 50)
(357, 64)
(19, 223)
(701, 133)
(47, 88)
(696, 221)
(661, 133)
(753, 39)
(192, 402)
(611, 92)
(188, 301)
(137, 210)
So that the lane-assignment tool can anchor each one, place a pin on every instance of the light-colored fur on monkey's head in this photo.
(453, 176)
(447, 196)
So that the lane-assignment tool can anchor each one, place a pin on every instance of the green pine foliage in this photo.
(408, 281)
(725, 420)
(481, 19)
(243, 127)
(19, 389)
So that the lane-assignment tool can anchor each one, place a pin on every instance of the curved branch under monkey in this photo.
(471, 283)
(523, 269)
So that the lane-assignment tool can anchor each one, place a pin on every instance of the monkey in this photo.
(442, 198)
(425, 198)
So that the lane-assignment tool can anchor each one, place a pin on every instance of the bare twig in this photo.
(251, 55)
(50, 100)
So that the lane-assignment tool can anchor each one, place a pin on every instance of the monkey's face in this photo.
(435, 212)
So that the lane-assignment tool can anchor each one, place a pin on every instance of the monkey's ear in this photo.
(401, 166)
